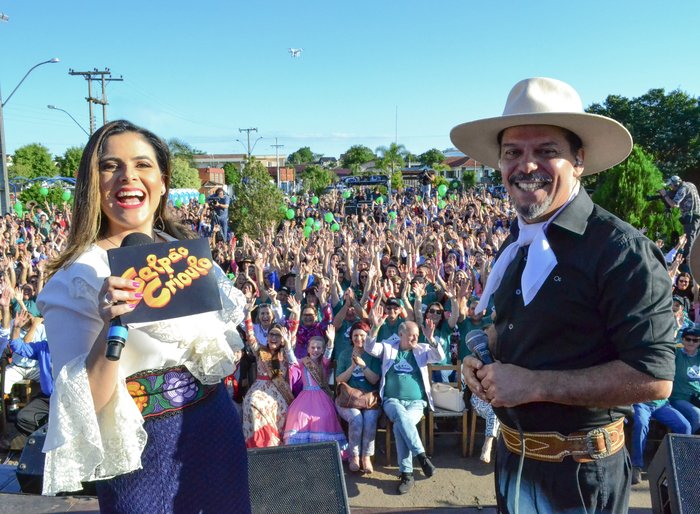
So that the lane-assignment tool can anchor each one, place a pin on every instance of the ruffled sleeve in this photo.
(81, 445)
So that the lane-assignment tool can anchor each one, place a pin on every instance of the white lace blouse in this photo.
(80, 444)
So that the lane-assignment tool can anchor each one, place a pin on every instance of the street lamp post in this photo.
(53, 107)
(4, 185)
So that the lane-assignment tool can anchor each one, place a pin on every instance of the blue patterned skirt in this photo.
(195, 459)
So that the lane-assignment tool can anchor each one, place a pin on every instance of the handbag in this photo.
(447, 397)
(351, 398)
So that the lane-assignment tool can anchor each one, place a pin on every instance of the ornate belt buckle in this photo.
(592, 447)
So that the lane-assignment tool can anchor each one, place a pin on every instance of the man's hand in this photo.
(502, 385)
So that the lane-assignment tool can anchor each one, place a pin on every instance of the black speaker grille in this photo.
(685, 454)
(299, 478)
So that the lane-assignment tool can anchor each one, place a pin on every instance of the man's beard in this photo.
(534, 210)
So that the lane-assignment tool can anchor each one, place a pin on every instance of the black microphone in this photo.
(118, 332)
(478, 343)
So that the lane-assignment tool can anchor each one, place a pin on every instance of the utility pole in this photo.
(248, 131)
(277, 158)
(103, 76)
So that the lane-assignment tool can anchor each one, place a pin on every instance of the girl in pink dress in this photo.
(311, 417)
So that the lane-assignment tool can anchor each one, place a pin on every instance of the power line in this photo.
(248, 131)
(103, 77)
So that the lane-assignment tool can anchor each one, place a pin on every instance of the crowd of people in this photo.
(331, 326)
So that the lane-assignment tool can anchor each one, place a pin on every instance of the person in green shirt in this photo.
(685, 396)
(362, 371)
(405, 387)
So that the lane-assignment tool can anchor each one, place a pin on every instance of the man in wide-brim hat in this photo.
(583, 305)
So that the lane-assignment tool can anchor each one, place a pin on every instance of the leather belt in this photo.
(581, 446)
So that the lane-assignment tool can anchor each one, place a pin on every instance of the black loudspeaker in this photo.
(30, 470)
(297, 478)
(673, 475)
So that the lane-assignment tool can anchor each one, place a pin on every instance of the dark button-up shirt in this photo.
(607, 299)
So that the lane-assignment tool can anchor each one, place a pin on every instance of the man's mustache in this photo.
(529, 177)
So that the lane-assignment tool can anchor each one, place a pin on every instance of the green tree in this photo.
(32, 161)
(623, 190)
(33, 193)
(317, 179)
(70, 160)
(183, 174)
(232, 173)
(391, 157)
(397, 180)
(431, 157)
(302, 156)
(469, 179)
(356, 156)
(256, 201)
(179, 148)
(666, 125)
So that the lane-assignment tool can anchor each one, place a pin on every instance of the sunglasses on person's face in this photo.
(694, 340)
(434, 311)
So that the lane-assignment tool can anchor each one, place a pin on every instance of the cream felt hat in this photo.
(544, 101)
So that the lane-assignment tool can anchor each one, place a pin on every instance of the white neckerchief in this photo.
(540, 263)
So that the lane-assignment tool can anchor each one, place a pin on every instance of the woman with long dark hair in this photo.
(147, 425)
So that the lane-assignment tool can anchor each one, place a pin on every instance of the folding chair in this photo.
(440, 414)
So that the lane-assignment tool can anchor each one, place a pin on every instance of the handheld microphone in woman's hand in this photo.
(478, 343)
(118, 332)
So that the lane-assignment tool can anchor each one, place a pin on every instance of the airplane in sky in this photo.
(295, 52)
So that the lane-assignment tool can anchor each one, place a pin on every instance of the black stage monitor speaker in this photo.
(298, 478)
(673, 476)
(30, 470)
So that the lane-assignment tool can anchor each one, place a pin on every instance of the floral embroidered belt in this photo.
(166, 391)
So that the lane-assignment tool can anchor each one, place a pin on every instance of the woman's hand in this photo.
(330, 335)
(359, 361)
(118, 296)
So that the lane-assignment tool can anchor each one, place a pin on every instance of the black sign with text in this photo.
(177, 278)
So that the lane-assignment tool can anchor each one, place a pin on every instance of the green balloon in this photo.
(290, 214)
(309, 222)
(328, 217)
(380, 200)
(43, 191)
(454, 184)
(178, 203)
(347, 194)
(392, 215)
(314, 200)
(335, 227)
(294, 199)
(18, 208)
(66, 195)
(307, 231)
(202, 198)
(317, 225)
(442, 189)
(418, 198)
(442, 204)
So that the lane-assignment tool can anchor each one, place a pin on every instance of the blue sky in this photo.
(199, 71)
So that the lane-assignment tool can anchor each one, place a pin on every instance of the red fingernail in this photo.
(138, 295)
